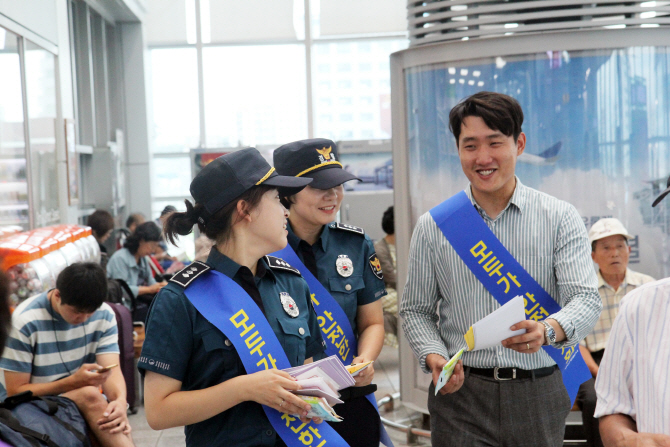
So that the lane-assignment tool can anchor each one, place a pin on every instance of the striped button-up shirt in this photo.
(633, 375)
(597, 339)
(443, 298)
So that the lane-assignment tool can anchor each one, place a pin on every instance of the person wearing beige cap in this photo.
(610, 250)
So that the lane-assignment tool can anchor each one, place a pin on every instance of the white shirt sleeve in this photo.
(616, 374)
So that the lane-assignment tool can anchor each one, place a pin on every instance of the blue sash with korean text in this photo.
(334, 323)
(230, 308)
(503, 276)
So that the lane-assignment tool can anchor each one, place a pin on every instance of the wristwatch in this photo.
(549, 333)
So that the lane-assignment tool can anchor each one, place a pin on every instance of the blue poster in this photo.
(598, 135)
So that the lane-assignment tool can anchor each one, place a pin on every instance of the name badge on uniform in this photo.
(290, 307)
(344, 266)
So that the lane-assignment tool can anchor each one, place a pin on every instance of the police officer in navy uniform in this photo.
(343, 259)
(193, 374)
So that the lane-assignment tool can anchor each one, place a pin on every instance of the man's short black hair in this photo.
(83, 285)
(101, 222)
(388, 221)
(500, 112)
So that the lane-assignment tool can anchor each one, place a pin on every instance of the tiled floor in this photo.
(387, 378)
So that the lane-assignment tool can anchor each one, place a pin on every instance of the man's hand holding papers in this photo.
(436, 364)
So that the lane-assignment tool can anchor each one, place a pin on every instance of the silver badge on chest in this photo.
(290, 307)
(344, 266)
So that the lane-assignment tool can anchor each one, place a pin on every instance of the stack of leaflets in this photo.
(320, 382)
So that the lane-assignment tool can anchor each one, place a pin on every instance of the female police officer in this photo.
(343, 260)
(195, 374)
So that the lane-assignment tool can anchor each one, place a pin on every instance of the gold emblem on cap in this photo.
(325, 152)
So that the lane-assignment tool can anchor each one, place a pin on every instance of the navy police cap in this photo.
(230, 175)
(316, 158)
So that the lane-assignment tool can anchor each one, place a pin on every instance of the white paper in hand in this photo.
(495, 327)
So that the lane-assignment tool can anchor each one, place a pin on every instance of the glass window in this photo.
(171, 176)
(371, 57)
(343, 68)
(596, 121)
(254, 95)
(13, 185)
(174, 83)
(41, 92)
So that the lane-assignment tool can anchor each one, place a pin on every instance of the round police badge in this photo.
(344, 266)
(290, 307)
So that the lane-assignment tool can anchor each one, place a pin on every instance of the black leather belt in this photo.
(512, 373)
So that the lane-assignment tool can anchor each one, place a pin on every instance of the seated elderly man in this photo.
(610, 250)
(632, 385)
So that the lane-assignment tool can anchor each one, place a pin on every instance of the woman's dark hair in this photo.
(388, 222)
(148, 231)
(101, 222)
(5, 315)
(287, 201)
(82, 285)
(218, 226)
(499, 112)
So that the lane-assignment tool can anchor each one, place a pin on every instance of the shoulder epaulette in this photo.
(279, 264)
(346, 227)
(185, 276)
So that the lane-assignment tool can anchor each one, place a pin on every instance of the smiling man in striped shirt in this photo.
(511, 395)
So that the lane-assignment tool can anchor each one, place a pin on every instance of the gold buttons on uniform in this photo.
(227, 343)
(348, 287)
(301, 331)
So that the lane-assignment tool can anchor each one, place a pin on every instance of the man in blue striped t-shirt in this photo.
(59, 343)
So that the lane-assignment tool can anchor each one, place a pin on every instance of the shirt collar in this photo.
(294, 240)
(518, 199)
(230, 268)
(629, 279)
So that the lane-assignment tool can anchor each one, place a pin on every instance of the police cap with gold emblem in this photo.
(230, 175)
(316, 158)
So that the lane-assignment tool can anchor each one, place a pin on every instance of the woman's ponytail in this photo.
(181, 224)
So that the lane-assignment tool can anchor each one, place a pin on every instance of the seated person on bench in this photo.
(59, 344)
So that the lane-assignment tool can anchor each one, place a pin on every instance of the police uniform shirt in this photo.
(364, 285)
(180, 343)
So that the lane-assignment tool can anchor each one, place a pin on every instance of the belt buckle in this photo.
(495, 374)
